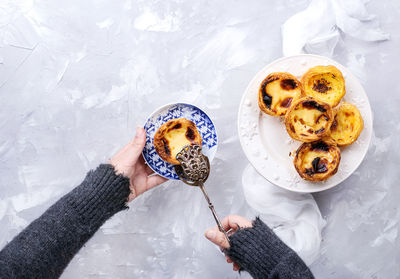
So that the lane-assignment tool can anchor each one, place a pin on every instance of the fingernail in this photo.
(210, 234)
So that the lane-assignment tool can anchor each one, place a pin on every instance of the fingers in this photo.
(236, 266)
(125, 159)
(154, 180)
(137, 144)
(234, 222)
(131, 196)
(217, 237)
(230, 222)
(141, 183)
(147, 169)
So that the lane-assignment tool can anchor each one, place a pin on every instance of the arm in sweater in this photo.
(261, 253)
(48, 244)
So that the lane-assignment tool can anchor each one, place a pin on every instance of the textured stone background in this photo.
(77, 77)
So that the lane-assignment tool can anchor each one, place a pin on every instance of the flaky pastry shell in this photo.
(317, 161)
(325, 83)
(277, 92)
(308, 119)
(347, 124)
(172, 136)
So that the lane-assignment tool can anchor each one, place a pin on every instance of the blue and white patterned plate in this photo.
(160, 116)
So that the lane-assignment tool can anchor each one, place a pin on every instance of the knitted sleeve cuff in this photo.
(46, 246)
(102, 194)
(261, 253)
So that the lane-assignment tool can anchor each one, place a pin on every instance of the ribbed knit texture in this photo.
(261, 253)
(47, 245)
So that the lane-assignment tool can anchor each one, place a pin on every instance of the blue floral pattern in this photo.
(181, 110)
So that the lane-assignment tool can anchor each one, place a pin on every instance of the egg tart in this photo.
(317, 161)
(308, 119)
(347, 125)
(277, 92)
(172, 136)
(325, 83)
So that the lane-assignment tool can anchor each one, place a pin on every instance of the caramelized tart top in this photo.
(277, 92)
(347, 124)
(317, 161)
(308, 119)
(172, 136)
(325, 83)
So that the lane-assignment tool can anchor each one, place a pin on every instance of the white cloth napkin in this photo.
(294, 217)
(316, 29)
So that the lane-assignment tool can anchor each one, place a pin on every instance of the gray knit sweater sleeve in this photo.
(47, 245)
(261, 253)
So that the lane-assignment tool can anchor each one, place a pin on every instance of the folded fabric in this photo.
(294, 217)
(316, 29)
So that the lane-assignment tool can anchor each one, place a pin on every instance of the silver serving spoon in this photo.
(193, 170)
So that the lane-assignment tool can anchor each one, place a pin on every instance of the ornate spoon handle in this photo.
(193, 170)
(211, 206)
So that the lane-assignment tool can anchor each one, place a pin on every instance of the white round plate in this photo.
(203, 123)
(266, 143)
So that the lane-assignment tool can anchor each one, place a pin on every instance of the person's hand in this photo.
(232, 223)
(129, 162)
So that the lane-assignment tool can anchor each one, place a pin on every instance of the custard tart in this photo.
(308, 119)
(347, 125)
(172, 136)
(325, 83)
(277, 92)
(317, 161)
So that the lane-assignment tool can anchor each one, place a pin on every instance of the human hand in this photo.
(233, 223)
(129, 162)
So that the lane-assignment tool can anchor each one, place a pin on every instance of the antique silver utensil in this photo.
(193, 170)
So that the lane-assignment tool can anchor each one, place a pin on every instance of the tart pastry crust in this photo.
(317, 161)
(277, 92)
(308, 119)
(325, 83)
(172, 136)
(347, 124)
